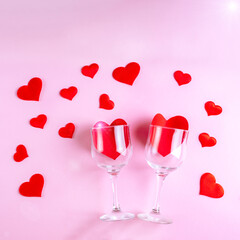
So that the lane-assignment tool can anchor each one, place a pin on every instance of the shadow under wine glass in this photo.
(165, 151)
(111, 148)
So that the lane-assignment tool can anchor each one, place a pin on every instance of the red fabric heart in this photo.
(127, 74)
(212, 109)
(33, 188)
(182, 78)
(31, 92)
(69, 93)
(21, 153)
(209, 187)
(105, 102)
(105, 137)
(206, 140)
(67, 131)
(164, 144)
(39, 121)
(90, 70)
(178, 122)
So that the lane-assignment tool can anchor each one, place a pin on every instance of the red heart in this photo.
(21, 153)
(206, 140)
(164, 144)
(39, 121)
(107, 139)
(67, 131)
(127, 74)
(212, 109)
(69, 93)
(182, 78)
(209, 187)
(31, 92)
(105, 102)
(33, 188)
(178, 122)
(90, 70)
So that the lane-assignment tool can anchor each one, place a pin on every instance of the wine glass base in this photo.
(117, 216)
(154, 217)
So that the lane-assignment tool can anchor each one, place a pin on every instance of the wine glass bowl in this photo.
(165, 148)
(111, 148)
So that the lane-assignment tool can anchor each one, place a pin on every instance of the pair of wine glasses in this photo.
(164, 152)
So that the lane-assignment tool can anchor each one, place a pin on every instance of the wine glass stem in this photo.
(160, 179)
(116, 206)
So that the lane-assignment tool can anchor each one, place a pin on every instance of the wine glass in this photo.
(111, 148)
(165, 151)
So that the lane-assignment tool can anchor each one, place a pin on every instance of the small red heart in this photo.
(90, 70)
(209, 187)
(212, 109)
(127, 74)
(206, 140)
(182, 78)
(21, 153)
(108, 145)
(31, 92)
(69, 93)
(33, 188)
(105, 102)
(67, 131)
(164, 144)
(39, 121)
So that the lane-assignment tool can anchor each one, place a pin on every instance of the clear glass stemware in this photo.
(165, 151)
(111, 148)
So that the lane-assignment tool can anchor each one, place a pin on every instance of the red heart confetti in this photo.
(108, 138)
(105, 102)
(67, 131)
(164, 144)
(39, 121)
(33, 188)
(69, 93)
(90, 71)
(209, 187)
(31, 92)
(206, 140)
(212, 109)
(21, 153)
(127, 74)
(182, 78)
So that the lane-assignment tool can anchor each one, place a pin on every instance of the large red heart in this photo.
(105, 102)
(33, 188)
(104, 138)
(212, 109)
(21, 153)
(182, 78)
(31, 92)
(127, 74)
(69, 93)
(39, 121)
(209, 187)
(67, 131)
(206, 140)
(90, 70)
(164, 144)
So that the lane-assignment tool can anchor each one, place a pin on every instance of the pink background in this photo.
(53, 40)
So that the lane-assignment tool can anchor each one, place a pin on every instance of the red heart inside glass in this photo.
(111, 145)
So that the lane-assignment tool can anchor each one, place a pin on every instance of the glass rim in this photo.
(125, 125)
(179, 129)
